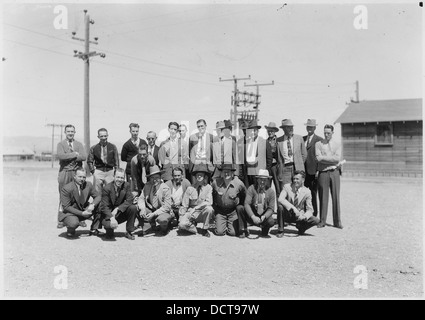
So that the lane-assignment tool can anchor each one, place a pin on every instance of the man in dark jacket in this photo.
(130, 148)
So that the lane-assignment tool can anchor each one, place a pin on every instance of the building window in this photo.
(384, 135)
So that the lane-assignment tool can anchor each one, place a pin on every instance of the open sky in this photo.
(163, 62)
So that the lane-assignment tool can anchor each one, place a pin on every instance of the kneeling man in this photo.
(197, 203)
(295, 205)
(154, 202)
(117, 205)
(75, 202)
(259, 205)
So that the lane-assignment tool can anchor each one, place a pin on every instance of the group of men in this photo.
(189, 181)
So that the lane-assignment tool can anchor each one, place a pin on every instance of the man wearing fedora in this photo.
(178, 186)
(258, 154)
(311, 163)
(229, 196)
(197, 203)
(224, 147)
(154, 202)
(259, 205)
(294, 205)
(272, 129)
(291, 153)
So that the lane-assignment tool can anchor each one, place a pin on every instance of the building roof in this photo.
(382, 110)
(17, 151)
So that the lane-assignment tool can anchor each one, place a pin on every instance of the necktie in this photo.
(296, 199)
(154, 197)
(70, 146)
(289, 147)
(104, 154)
(199, 190)
(260, 206)
(308, 142)
(222, 151)
(144, 174)
(117, 193)
(82, 199)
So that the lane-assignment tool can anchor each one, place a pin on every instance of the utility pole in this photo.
(258, 94)
(235, 101)
(53, 125)
(85, 56)
(357, 91)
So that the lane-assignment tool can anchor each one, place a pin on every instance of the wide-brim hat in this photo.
(311, 123)
(228, 166)
(154, 170)
(263, 173)
(220, 125)
(287, 123)
(200, 168)
(254, 124)
(272, 127)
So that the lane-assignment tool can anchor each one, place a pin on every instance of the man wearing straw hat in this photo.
(229, 196)
(295, 206)
(272, 129)
(197, 203)
(154, 202)
(311, 163)
(259, 205)
(291, 153)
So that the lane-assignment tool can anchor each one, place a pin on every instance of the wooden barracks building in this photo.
(382, 137)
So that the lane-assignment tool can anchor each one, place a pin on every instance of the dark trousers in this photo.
(164, 220)
(311, 183)
(329, 180)
(265, 225)
(228, 222)
(274, 174)
(284, 215)
(72, 222)
(128, 215)
(64, 177)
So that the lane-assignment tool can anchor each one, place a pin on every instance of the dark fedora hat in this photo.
(254, 124)
(201, 167)
(228, 166)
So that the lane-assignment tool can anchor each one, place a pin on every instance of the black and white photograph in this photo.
(212, 150)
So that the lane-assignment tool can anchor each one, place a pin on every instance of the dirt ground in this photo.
(383, 231)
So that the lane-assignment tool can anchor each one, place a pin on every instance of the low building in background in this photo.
(18, 153)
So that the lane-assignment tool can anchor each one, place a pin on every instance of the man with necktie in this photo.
(291, 153)
(294, 205)
(117, 206)
(130, 148)
(154, 202)
(311, 163)
(75, 198)
(178, 186)
(153, 149)
(201, 147)
(272, 144)
(170, 152)
(259, 205)
(71, 155)
(140, 168)
(103, 159)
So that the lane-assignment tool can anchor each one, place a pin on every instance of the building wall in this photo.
(361, 152)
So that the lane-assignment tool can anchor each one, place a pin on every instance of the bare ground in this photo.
(383, 231)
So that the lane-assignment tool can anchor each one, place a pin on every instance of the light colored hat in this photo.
(263, 173)
(220, 125)
(154, 170)
(272, 126)
(311, 123)
(286, 123)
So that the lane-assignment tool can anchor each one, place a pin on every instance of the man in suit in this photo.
(294, 205)
(328, 154)
(140, 169)
(153, 149)
(154, 202)
(71, 154)
(117, 206)
(75, 198)
(185, 148)
(291, 153)
(258, 152)
(178, 186)
(224, 147)
(259, 205)
(196, 205)
(200, 147)
(130, 148)
(103, 160)
(272, 143)
(311, 162)
(170, 152)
